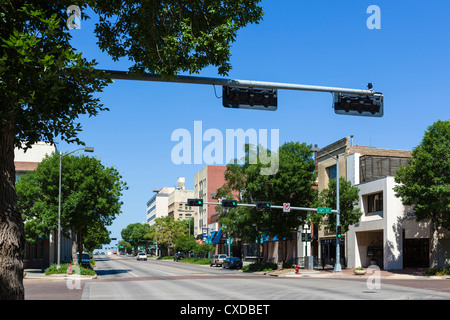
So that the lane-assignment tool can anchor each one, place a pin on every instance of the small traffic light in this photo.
(339, 231)
(195, 202)
(229, 203)
(357, 105)
(250, 98)
(262, 205)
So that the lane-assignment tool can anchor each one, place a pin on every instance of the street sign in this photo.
(306, 237)
(323, 210)
(286, 207)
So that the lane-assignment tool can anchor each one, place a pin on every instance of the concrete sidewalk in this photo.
(348, 273)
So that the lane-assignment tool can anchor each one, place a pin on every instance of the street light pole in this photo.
(337, 265)
(61, 155)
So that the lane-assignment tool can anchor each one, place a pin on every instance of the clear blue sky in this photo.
(322, 42)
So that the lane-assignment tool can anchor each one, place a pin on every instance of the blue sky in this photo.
(321, 42)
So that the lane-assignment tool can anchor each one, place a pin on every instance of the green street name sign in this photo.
(323, 210)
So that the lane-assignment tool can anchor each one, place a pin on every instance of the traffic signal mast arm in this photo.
(272, 206)
(124, 75)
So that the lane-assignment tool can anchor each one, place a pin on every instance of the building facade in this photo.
(176, 206)
(157, 206)
(206, 183)
(387, 233)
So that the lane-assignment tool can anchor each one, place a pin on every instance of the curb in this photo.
(44, 277)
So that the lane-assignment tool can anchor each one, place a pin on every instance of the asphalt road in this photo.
(124, 278)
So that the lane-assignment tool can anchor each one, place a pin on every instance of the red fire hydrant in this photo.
(69, 271)
(296, 269)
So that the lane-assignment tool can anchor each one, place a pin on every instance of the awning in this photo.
(208, 238)
(218, 236)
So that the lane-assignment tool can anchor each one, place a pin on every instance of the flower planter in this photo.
(360, 272)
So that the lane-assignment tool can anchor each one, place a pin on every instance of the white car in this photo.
(141, 256)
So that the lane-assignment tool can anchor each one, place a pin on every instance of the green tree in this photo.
(424, 183)
(348, 200)
(185, 243)
(136, 234)
(292, 183)
(167, 230)
(90, 199)
(46, 85)
(203, 250)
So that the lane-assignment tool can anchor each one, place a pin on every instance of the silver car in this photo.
(217, 260)
(141, 256)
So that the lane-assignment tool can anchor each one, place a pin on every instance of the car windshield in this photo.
(141, 254)
(222, 256)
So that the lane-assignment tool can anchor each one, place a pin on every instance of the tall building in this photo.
(176, 206)
(206, 183)
(157, 206)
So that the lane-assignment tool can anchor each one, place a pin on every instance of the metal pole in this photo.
(123, 75)
(337, 265)
(59, 213)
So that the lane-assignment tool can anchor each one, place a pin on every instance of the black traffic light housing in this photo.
(195, 202)
(249, 98)
(262, 205)
(229, 203)
(358, 105)
(339, 231)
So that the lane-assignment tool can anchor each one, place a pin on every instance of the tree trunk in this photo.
(280, 254)
(80, 247)
(74, 246)
(12, 235)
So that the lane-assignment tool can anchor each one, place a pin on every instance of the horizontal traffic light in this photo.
(229, 203)
(262, 205)
(250, 98)
(357, 105)
(195, 202)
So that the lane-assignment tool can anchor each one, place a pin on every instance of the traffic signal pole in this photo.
(124, 75)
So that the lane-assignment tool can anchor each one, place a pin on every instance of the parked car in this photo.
(217, 259)
(85, 259)
(232, 262)
(178, 256)
(141, 256)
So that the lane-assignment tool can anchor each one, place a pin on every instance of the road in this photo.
(125, 278)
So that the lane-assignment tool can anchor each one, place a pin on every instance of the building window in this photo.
(375, 202)
(331, 172)
(180, 206)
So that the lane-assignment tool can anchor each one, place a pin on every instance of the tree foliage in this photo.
(348, 200)
(169, 37)
(135, 234)
(90, 198)
(424, 182)
(168, 230)
(291, 184)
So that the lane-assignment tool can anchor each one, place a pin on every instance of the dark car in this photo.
(232, 263)
(178, 256)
